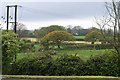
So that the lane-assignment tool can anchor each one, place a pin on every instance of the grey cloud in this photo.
(47, 11)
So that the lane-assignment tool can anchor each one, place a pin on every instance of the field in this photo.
(57, 51)
(81, 37)
(35, 39)
(83, 54)
(84, 42)
(75, 58)
(31, 39)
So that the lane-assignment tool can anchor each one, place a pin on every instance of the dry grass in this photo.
(31, 39)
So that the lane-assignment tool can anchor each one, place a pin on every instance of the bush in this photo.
(86, 46)
(37, 65)
(113, 65)
(68, 65)
(45, 65)
(10, 47)
(26, 45)
(104, 65)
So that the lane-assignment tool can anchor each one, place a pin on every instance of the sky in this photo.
(36, 14)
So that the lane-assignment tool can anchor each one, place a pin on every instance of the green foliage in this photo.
(68, 65)
(45, 30)
(83, 54)
(106, 65)
(37, 65)
(79, 37)
(84, 46)
(10, 47)
(26, 45)
(93, 36)
(45, 65)
(45, 43)
(56, 37)
(94, 29)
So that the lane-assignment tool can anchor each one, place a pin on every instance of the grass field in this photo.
(35, 39)
(83, 42)
(83, 54)
(81, 37)
(31, 39)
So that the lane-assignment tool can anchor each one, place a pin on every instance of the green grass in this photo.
(28, 55)
(79, 37)
(83, 54)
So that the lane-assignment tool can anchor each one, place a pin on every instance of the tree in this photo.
(93, 29)
(45, 30)
(113, 22)
(93, 36)
(56, 37)
(20, 26)
(20, 29)
(76, 30)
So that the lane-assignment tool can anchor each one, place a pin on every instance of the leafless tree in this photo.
(20, 26)
(111, 21)
(20, 29)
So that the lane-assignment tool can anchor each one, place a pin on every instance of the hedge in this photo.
(68, 65)
(86, 46)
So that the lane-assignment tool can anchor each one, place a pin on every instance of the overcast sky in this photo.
(42, 14)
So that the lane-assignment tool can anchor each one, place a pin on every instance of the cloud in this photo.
(50, 11)
(85, 23)
(43, 14)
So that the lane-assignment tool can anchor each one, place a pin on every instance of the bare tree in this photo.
(20, 29)
(112, 21)
(20, 26)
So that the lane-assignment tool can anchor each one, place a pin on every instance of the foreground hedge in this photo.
(68, 65)
(10, 47)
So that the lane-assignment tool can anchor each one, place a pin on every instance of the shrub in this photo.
(37, 65)
(68, 65)
(104, 65)
(94, 65)
(112, 65)
(26, 45)
(86, 46)
(10, 47)
(45, 65)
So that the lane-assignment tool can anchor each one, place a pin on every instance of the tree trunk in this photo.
(59, 46)
(92, 42)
